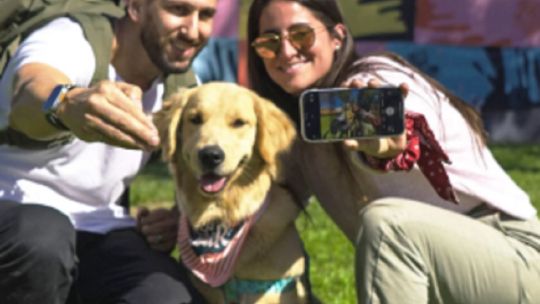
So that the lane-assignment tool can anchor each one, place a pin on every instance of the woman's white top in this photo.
(474, 173)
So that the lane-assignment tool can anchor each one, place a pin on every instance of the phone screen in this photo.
(337, 114)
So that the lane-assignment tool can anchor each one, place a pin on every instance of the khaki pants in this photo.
(410, 252)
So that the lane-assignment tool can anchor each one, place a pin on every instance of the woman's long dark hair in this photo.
(329, 13)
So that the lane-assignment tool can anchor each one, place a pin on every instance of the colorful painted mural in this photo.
(485, 51)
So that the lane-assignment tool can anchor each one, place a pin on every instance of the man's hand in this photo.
(378, 147)
(159, 227)
(109, 112)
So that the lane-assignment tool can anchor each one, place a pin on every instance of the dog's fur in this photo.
(253, 136)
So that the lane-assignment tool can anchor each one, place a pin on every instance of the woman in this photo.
(434, 231)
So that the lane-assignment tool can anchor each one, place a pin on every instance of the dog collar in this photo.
(213, 260)
(234, 288)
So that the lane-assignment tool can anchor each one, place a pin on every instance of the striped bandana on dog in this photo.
(211, 252)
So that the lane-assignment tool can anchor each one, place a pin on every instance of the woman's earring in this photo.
(338, 46)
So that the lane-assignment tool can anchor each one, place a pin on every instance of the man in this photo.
(62, 225)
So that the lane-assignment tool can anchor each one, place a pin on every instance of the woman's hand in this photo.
(385, 147)
(159, 227)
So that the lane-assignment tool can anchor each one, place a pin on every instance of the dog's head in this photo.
(220, 131)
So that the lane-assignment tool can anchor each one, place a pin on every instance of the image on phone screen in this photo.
(337, 114)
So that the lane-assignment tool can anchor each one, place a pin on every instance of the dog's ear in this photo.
(275, 133)
(167, 121)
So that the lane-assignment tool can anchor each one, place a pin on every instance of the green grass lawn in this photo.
(331, 255)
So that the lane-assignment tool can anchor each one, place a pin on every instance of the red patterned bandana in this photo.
(424, 150)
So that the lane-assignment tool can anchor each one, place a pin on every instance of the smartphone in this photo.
(336, 114)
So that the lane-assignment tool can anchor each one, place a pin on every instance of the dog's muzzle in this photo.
(211, 157)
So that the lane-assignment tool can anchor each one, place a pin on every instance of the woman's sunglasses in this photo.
(301, 37)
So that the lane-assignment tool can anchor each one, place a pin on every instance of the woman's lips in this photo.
(292, 68)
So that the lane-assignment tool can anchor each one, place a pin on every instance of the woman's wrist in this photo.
(381, 147)
(377, 148)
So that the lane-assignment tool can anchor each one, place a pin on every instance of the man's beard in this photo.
(156, 53)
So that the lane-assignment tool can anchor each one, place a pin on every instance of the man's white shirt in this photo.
(83, 180)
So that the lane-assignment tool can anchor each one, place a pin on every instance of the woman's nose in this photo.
(287, 49)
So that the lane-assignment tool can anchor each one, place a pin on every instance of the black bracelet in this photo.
(56, 122)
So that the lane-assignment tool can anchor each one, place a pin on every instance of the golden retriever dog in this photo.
(225, 146)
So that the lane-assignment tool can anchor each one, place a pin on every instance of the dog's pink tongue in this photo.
(212, 183)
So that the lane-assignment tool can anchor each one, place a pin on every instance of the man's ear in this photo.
(168, 121)
(133, 9)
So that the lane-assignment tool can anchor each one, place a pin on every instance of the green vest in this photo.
(94, 16)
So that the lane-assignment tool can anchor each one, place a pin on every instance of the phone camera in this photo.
(389, 111)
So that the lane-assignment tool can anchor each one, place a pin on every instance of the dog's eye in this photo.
(237, 123)
(196, 119)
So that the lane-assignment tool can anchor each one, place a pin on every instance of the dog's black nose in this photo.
(211, 157)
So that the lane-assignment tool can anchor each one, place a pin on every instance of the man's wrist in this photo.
(50, 107)
(53, 120)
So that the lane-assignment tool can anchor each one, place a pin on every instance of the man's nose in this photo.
(190, 27)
